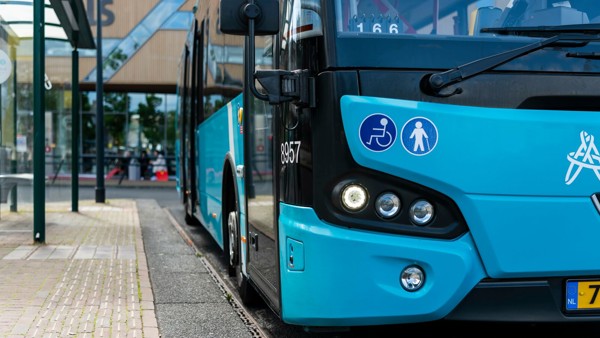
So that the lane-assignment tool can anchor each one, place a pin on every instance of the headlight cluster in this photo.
(355, 197)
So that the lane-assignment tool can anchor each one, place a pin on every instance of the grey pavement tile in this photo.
(183, 287)
(62, 252)
(21, 252)
(85, 252)
(42, 252)
(211, 320)
(105, 252)
(126, 252)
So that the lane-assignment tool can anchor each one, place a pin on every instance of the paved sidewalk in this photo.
(90, 278)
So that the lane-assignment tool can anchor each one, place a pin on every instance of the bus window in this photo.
(458, 17)
(302, 20)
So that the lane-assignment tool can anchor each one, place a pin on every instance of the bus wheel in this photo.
(247, 292)
(232, 229)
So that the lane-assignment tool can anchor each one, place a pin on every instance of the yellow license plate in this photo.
(583, 295)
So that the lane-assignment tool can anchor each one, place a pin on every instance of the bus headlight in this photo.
(387, 205)
(412, 278)
(354, 197)
(421, 212)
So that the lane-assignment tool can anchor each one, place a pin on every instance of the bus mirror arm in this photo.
(281, 85)
(250, 64)
(285, 86)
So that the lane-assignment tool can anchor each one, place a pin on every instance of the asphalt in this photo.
(123, 268)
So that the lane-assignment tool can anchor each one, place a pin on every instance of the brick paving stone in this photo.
(134, 334)
(149, 318)
(151, 332)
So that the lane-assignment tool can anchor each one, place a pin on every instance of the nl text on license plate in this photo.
(583, 295)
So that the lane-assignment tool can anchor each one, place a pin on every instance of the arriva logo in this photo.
(586, 156)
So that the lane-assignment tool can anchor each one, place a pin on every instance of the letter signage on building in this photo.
(108, 17)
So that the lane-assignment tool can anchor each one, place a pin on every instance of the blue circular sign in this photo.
(377, 132)
(419, 136)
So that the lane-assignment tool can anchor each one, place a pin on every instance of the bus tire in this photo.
(233, 243)
(247, 293)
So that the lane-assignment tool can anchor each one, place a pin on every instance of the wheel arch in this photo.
(229, 193)
(229, 198)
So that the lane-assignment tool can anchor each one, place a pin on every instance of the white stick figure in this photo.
(418, 134)
(384, 133)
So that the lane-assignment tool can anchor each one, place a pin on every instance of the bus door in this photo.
(193, 118)
(278, 148)
(261, 178)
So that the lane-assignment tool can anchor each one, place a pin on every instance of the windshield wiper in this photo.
(434, 83)
(544, 31)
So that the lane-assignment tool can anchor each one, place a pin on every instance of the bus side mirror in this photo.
(235, 14)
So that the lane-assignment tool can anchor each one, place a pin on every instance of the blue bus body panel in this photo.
(217, 136)
(523, 179)
(352, 277)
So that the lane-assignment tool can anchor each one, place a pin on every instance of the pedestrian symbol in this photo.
(419, 136)
(377, 132)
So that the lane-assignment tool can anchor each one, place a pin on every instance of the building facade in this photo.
(142, 42)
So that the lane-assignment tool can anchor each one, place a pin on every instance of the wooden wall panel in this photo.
(188, 6)
(156, 62)
(86, 65)
(128, 13)
(59, 68)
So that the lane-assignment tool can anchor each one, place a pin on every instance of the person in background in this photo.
(124, 165)
(144, 165)
(159, 165)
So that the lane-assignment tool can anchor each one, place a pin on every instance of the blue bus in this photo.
(370, 162)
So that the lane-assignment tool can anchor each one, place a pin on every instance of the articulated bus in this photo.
(370, 162)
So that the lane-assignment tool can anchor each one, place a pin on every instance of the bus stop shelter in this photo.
(41, 21)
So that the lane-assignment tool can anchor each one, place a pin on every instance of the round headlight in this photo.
(412, 278)
(387, 205)
(354, 197)
(421, 212)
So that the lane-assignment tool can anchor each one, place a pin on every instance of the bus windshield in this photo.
(459, 17)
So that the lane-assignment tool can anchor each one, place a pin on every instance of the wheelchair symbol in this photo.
(377, 132)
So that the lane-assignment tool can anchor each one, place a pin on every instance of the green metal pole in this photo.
(39, 129)
(75, 131)
(13, 193)
(100, 191)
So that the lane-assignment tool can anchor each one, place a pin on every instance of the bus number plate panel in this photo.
(583, 295)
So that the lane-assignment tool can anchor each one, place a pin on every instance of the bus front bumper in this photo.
(336, 276)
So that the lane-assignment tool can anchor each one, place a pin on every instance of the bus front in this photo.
(449, 167)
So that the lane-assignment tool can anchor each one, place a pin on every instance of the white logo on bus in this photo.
(586, 156)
